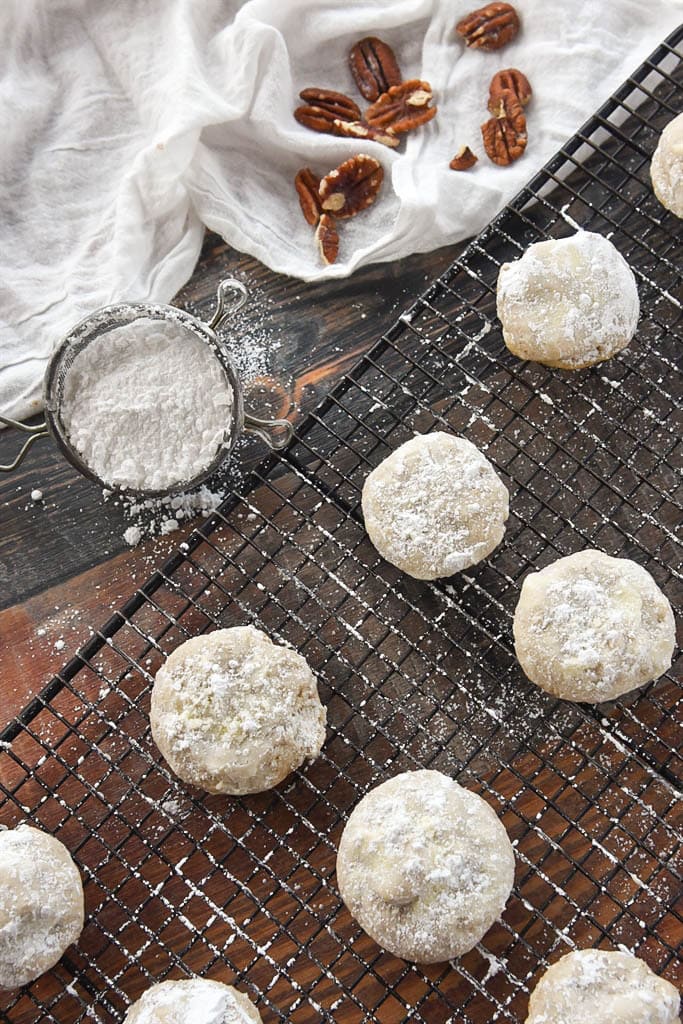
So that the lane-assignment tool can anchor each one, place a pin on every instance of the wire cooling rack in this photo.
(413, 674)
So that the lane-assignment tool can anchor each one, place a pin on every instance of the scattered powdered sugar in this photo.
(154, 516)
(147, 405)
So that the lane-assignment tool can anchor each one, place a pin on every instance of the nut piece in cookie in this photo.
(490, 27)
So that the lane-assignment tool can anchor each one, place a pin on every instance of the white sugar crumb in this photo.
(146, 405)
(132, 535)
(36, 495)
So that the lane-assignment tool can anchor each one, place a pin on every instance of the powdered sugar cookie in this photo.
(192, 1001)
(593, 986)
(425, 866)
(591, 627)
(569, 302)
(666, 169)
(232, 712)
(41, 904)
(435, 506)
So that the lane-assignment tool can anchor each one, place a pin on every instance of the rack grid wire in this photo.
(413, 674)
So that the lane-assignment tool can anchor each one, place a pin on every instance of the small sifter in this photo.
(231, 296)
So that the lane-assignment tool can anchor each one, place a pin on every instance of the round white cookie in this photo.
(435, 506)
(425, 866)
(41, 904)
(569, 302)
(666, 169)
(593, 986)
(591, 627)
(193, 1001)
(232, 712)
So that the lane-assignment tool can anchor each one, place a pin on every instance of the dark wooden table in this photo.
(64, 564)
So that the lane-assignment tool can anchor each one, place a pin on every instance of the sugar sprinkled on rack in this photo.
(146, 405)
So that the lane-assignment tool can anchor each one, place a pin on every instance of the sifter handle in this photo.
(227, 304)
(40, 430)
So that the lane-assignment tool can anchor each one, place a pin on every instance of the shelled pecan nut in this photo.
(490, 27)
(374, 67)
(307, 184)
(509, 78)
(317, 119)
(504, 134)
(327, 237)
(362, 130)
(352, 186)
(336, 103)
(402, 108)
(463, 159)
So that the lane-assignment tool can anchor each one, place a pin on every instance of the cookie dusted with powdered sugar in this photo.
(232, 712)
(594, 986)
(41, 904)
(569, 302)
(435, 506)
(666, 169)
(425, 866)
(590, 627)
(192, 1001)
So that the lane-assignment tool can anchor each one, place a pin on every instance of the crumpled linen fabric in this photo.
(130, 126)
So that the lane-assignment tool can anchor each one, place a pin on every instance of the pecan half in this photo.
(504, 134)
(352, 186)
(490, 27)
(374, 67)
(510, 78)
(361, 130)
(327, 238)
(402, 108)
(332, 102)
(307, 184)
(317, 119)
(463, 159)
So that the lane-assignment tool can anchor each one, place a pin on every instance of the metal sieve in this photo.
(231, 296)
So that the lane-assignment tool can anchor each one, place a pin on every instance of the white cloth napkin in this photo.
(128, 126)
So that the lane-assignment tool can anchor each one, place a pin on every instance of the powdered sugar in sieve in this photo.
(147, 405)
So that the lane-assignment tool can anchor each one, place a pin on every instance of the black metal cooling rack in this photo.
(413, 674)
